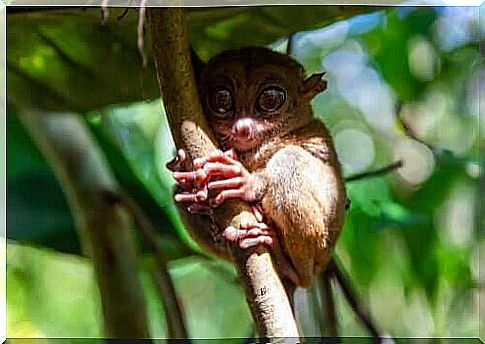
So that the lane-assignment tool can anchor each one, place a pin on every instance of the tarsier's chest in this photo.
(313, 138)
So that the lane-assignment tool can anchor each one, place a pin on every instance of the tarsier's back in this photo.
(257, 102)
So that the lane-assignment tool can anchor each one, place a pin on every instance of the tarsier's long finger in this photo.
(256, 231)
(257, 212)
(233, 234)
(200, 175)
(213, 156)
(227, 158)
(196, 176)
(248, 223)
(220, 169)
(249, 242)
(175, 163)
(231, 183)
(251, 237)
(199, 196)
(228, 194)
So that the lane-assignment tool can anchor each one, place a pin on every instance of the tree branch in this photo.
(161, 277)
(376, 173)
(104, 228)
(330, 318)
(265, 293)
(351, 296)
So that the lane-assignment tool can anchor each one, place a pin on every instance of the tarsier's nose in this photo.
(243, 127)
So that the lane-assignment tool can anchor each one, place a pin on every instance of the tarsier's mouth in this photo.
(244, 142)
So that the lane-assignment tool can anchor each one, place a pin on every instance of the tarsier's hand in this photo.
(217, 177)
(199, 188)
(193, 191)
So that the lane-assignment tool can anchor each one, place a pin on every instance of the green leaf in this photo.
(37, 211)
(134, 140)
(369, 195)
(69, 60)
(41, 301)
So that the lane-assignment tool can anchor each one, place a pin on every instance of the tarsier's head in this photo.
(253, 94)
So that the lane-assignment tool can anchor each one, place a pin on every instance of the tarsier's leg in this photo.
(193, 191)
(213, 173)
(256, 233)
(305, 201)
(231, 177)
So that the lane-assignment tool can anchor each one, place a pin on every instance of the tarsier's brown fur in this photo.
(295, 174)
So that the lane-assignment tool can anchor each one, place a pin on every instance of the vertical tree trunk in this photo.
(265, 293)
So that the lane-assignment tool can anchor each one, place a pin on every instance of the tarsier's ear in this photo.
(197, 64)
(314, 85)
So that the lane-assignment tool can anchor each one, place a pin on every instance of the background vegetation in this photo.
(411, 239)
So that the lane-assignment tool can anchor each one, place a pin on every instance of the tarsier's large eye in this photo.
(271, 99)
(221, 101)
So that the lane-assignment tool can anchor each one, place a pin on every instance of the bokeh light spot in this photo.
(418, 161)
(355, 149)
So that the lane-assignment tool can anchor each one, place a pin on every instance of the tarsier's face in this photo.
(251, 95)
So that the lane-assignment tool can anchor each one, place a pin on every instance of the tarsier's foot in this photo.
(250, 234)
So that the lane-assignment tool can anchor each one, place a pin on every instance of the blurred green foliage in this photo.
(411, 239)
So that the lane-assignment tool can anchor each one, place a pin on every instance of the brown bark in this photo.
(265, 293)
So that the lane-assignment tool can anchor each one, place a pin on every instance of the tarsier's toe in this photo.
(248, 238)
(249, 242)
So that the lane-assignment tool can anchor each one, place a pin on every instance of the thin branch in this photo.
(125, 12)
(104, 11)
(328, 306)
(351, 296)
(104, 228)
(141, 32)
(264, 290)
(291, 44)
(161, 277)
(376, 173)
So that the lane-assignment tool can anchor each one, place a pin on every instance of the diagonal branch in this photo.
(265, 293)
(357, 306)
(376, 173)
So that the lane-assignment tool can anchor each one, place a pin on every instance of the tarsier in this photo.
(275, 156)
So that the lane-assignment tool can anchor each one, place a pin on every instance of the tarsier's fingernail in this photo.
(177, 198)
(200, 173)
(201, 195)
(230, 233)
(268, 240)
